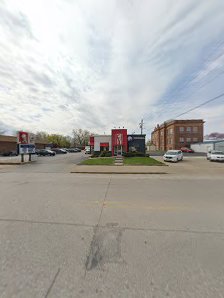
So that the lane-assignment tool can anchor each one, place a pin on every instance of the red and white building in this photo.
(117, 143)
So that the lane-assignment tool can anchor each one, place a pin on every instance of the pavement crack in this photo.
(27, 221)
(52, 283)
(94, 256)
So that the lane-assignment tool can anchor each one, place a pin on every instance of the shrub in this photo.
(108, 154)
(135, 154)
(96, 154)
(105, 154)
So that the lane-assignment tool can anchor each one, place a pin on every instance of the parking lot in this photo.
(79, 235)
(197, 166)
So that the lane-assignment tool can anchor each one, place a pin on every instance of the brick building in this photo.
(9, 143)
(174, 134)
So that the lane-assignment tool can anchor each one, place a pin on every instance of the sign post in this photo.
(26, 144)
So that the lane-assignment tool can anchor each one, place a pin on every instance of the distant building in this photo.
(9, 143)
(174, 134)
(208, 145)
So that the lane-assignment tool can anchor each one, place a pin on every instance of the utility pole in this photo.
(141, 125)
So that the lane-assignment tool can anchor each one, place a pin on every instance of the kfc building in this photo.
(118, 142)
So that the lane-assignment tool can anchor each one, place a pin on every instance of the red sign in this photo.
(91, 141)
(23, 137)
(119, 139)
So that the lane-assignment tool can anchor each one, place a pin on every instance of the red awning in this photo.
(104, 144)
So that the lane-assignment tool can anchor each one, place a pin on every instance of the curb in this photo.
(15, 163)
(121, 173)
(10, 163)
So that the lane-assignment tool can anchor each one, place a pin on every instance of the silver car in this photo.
(173, 155)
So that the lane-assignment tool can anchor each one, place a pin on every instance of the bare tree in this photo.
(81, 137)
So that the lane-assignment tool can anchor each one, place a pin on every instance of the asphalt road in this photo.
(72, 235)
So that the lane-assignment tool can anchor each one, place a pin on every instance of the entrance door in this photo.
(118, 150)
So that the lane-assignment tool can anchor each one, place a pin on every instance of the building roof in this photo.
(180, 121)
(13, 139)
(4, 138)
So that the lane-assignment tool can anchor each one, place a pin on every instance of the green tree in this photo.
(56, 139)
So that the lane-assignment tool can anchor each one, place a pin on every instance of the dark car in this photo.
(59, 151)
(72, 150)
(45, 152)
(78, 149)
(10, 153)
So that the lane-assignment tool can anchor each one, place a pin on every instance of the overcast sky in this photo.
(99, 64)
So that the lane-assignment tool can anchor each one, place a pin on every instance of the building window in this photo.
(161, 133)
(195, 129)
(181, 140)
(188, 140)
(188, 129)
(181, 129)
(195, 139)
(171, 131)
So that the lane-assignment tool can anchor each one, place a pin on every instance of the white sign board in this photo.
(27, 148)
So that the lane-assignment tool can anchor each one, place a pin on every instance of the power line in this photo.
(202, 104)
(198, 106)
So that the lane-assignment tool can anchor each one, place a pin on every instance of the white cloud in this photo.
(97, 64)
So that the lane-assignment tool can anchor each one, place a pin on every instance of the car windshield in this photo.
(218, 152)
(171, 152)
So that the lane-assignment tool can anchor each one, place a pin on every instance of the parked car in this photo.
(65, 149)
(187, 150)
(209, 154)
(87, 151)
(46, 152)
(78, 149)
(173, 155)
(59, 151)
(216, 156)
(10, 153)
(37, 151)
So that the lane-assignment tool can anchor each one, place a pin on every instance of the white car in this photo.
(209, 154)
(216, 156)
(87, 151)
(173, 155)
